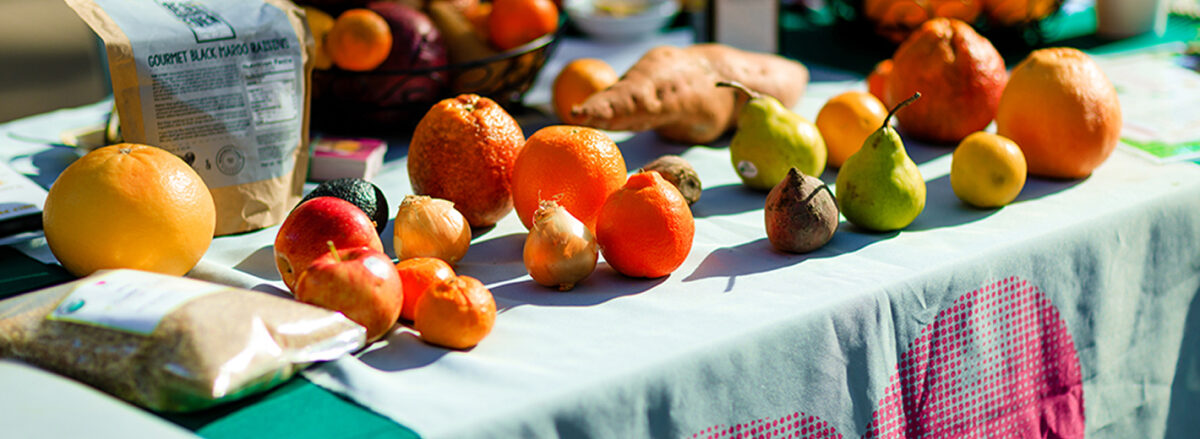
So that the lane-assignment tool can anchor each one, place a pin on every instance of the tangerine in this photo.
(512, 23)
(129, 206)
(845, 122)
(645, 229)
(456, 313)
(1062, 111)
(578, 80)
(417, 274)
(877, 80)
(959, 74)
(359, 40)
(464, 150)
(577, 166)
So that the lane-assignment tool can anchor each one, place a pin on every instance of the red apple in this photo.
(302, 237)
(361, 283)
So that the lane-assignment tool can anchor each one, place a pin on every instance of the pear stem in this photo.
(333, 251)
(734, 84)
(899, 106)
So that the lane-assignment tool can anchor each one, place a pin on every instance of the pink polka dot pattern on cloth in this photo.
(999, 362)
(795, 425)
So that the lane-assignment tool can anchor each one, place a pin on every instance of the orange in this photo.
(1062, 111)
(578, 80)
(416, 275)
(464, 150)
(846, 120)
(645, 229)
(319, 23)
(456, 313)
(129, 206)
(960, 76)
(577, 166)
(360, 40)
(512, 23)
(877, 80)
(987, 170)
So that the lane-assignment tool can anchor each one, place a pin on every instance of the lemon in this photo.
(987, 170)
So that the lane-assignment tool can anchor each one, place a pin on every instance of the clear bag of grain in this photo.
(170, 343)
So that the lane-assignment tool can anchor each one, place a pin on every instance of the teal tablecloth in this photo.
(1129, 267)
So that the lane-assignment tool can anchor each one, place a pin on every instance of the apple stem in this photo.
(737, 85)
(910, 100)
(333, 251)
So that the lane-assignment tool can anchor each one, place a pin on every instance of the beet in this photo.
(801, 214)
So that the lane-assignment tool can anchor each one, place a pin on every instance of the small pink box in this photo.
(340, 157)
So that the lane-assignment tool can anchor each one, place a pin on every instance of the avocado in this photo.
(359, 192)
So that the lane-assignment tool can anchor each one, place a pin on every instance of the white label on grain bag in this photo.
(129, 300)
(221, 87)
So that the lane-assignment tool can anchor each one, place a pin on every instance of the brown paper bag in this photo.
(224, 84)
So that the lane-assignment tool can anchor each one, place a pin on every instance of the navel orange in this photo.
(577, 166)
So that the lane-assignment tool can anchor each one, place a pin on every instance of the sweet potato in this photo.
(673, 91)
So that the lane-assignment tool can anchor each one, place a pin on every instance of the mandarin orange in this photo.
(645, 229)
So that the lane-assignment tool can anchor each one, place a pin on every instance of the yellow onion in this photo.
(430, 227)
(560, 251)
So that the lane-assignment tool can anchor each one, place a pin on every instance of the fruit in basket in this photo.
(576, 81)
(673, 91)
(896, 19)
(800, 213)
(456, 313)
(559, 250)
(417, 275)
(359, 40)
(579, 167)
(430, 227)
(987, 170)
(879, 188)
(466, 44)
(512, 23)
(959, 74)
(464, 150)
(360, 283)
(320, 23)
(1062, 111)
(645, 229)
(416, 44)
(364, 194)
(1016, 12)
(772, 139)
(846, 120)
(129, 206)
(302, 236)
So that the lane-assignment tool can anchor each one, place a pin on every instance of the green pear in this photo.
(771, 139)
(879, 187)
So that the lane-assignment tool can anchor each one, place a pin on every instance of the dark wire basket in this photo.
(387, 101)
